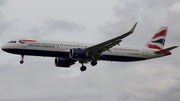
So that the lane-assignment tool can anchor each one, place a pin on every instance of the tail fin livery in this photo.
(158, 40)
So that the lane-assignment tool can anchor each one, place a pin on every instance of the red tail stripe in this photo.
(153, 46)
(162, 33)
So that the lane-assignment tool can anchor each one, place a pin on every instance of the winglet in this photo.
(128, 33)
(132, 29)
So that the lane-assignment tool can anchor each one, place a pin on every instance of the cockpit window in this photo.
(12, 42)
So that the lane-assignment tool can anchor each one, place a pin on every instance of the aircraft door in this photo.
(24, 44)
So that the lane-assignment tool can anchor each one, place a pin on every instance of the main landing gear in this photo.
(83, 68)
(22, 61)
(93, 63)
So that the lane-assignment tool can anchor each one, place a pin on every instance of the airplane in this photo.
(67, 53)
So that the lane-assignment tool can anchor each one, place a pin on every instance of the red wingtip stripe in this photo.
(153, 46)
(162, 33)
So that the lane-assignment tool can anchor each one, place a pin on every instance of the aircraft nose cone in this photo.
(4, 47)
(7, 48)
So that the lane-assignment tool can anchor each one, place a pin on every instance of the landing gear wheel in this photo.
(83, 68)
(94, 62)
(21, 62)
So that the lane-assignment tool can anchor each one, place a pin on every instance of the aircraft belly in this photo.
(39, 52)
(120, 58)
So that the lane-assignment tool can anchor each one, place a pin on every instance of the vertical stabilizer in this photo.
(158, 40)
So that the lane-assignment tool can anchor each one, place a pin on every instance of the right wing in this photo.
(96, 50)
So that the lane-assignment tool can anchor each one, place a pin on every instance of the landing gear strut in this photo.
(22, 61)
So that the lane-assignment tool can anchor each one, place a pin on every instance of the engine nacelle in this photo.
(61, 62)
(78, 53)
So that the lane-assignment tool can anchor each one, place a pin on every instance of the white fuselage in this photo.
(61, 49)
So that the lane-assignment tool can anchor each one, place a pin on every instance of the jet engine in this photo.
(78, 53)
(61, 62)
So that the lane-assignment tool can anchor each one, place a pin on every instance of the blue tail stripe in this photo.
(161, 41)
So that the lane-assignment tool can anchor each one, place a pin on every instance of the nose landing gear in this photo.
(22, 61)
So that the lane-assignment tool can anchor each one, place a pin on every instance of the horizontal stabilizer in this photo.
(165, 50)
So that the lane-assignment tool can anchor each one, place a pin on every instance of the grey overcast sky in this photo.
(90, 21)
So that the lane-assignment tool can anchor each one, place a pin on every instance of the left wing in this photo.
(96, 50)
